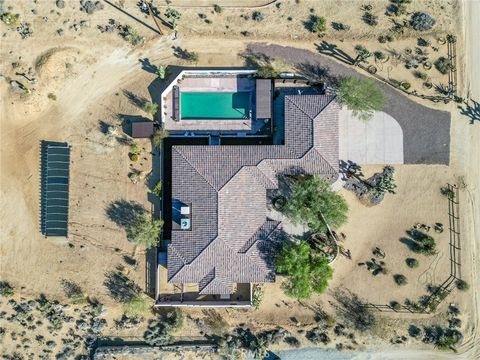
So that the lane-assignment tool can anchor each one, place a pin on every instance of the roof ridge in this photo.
(290, 98)
(193, 167)
(319, 154)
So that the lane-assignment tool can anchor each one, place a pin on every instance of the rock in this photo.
(60, 4)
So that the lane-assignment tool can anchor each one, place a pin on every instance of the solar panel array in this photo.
(55, 178)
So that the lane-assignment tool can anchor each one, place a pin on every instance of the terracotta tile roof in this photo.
(226, 186)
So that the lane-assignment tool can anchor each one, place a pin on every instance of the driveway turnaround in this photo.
(376, 141)
(426, 131)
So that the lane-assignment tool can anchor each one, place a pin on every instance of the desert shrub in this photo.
(406, 85)
(73, 291)
(448, 192)
(462, 285)
(370, 19)
(134, 148)
(412, 263)
(52, 96)
(318, 24)
(150, 108)
(173, 15)
(131, 35)
(414, 331)
(6, 290)
(217, 8)
(312, 201)
(399, 10)
(353, 310)
(421, 243)
(340, 26)
(362, 96)
(395, 305)
(159, 331)
(159, 134)
(421, 75)
(258, 16)
(134, 157)
(447, 339)
(380, 55)
(400, 279)
(144, 231)
(305, 271)
(138, 306)
(362, 53)
(443, 65)
(10, 19)
(257, 295)
(157, 189)
(422, 21)
(423, 42)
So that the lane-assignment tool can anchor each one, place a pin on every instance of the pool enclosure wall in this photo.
(196, 73)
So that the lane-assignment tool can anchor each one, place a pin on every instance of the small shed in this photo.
(142, 129)
(263, 90)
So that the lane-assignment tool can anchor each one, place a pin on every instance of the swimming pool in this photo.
(214, 105)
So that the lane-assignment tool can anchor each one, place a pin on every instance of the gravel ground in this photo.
(426, 132)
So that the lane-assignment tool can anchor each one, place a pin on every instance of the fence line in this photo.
(430, 304)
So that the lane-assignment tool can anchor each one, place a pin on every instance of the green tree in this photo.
(150, 108)
(158, 135)
(267, 72)
(157, 189)
(311, 199)
(139, 305)
(306, 272)
(144, 231)
(161, 71)
(361, 96)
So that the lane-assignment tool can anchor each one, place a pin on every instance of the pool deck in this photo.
(208, 84)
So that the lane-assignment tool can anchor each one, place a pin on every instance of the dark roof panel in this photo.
(263, 103)
(55, 160)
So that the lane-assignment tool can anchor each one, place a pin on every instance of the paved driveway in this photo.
(426, 131)
(377, 141)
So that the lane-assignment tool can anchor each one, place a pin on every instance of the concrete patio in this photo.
(373, 142)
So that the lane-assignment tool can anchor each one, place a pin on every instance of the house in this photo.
(221, 235)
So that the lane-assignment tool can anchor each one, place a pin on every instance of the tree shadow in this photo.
(150, 271)
(316, 73)
(103, 126)
(332, 50)
(308, 24)
(148, 66)
(123, 212)
(411, 244)
(471, 111)
(120, 287)
(138, 101)
(180, 53)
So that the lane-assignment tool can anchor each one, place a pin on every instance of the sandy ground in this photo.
(91, 89)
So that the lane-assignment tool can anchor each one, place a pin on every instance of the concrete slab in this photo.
(374, 142)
